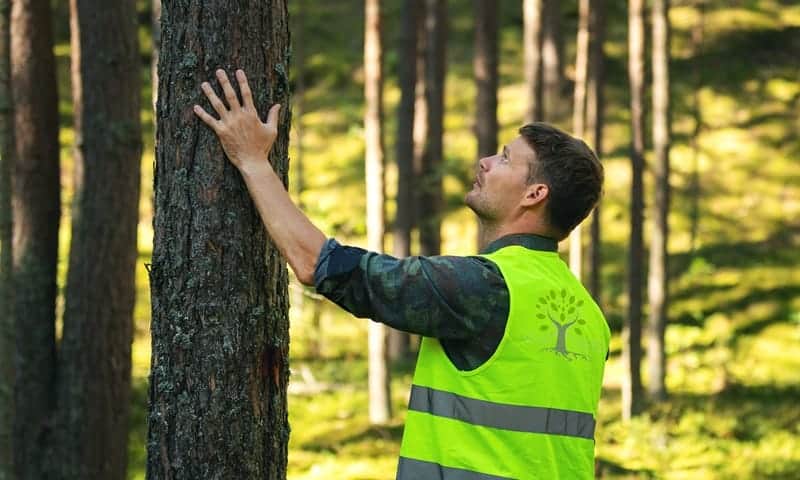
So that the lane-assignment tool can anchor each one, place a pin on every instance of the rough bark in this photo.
(579, 120)
(658, 292)
(431, 182)
(552, 60)
(484, 67)
(7, 341)
(94, 376)
(36, 205)
(631, 333)
(219, 366)
(595, 106)
(94, 379)
(532, 45)
(380, 405)
(404, 151)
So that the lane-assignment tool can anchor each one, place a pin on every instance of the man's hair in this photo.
(571, 171)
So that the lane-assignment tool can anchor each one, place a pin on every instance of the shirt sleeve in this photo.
(446, 297)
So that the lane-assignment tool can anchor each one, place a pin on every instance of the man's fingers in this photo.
(272, 116)
(219, 107)
(227, 89)
(205, 117)
(244, 87)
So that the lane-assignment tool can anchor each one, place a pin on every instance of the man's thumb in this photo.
(272, 116)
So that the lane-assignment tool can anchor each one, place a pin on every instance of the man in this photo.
(510, 369)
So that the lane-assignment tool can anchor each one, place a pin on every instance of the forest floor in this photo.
(734, 331)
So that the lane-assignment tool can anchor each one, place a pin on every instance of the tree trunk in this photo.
(581, 70)
(155, 22)
(431, 182)
(484, 66)
(298, 102)
(420, 112)
(380, 405)
(552, 60)
(219, 367)
(95, 354)
(697, 116)
(595, 105)
(303, 300)
(532, 44)
(404, 146)
(658, 293)
(404, 152)
(631, 333)
(37, 206)
(579, 120)
(7, 340)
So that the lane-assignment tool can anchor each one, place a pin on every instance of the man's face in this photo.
(500, 182)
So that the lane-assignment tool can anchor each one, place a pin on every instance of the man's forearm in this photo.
(295, 236)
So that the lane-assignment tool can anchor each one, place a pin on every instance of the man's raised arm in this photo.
(247, 142)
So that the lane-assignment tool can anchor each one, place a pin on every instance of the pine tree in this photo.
(219, 366)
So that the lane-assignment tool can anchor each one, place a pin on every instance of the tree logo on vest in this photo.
(561, 310)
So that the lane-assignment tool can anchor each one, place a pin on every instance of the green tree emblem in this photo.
(560, 310)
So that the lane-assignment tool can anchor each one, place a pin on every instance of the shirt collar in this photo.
(527, 240)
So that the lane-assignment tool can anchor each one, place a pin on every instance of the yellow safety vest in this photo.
(529, 411)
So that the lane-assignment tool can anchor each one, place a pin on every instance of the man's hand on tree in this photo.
(245, 138)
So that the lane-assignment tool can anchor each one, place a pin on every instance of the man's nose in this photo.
(484, 164)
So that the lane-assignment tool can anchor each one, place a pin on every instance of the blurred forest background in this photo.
(732, 340)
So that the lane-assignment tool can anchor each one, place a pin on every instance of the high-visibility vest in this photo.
(529, 411)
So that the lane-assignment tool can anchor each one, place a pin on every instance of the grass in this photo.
(734, 366)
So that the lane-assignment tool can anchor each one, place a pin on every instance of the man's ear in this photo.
(535, 194)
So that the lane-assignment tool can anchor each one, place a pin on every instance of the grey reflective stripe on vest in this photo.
(499, 415)
(410, 469)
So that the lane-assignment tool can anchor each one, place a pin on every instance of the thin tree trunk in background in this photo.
(155, 22)
(595, 106)
(301, 302)
(404, 146)
(317, 339)
(380, 405)
(579, 120)
(404, 152)
(632, 330)
(484, 66)
(420, 111)
(552, 60)
(697, 116)
(658, 291)
(219, 367)
(307, 298)
(410, 341)
(95, 353)
(532, 45)
(581, 70)
(7, 340)
(298, 101)
(431, 182)
(37, 205)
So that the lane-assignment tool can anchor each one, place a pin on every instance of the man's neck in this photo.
(489, 232)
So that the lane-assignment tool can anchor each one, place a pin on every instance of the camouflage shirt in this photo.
(462, 301)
